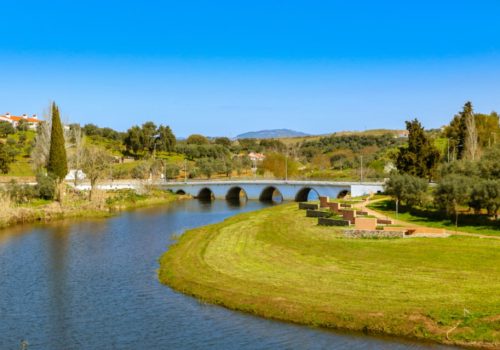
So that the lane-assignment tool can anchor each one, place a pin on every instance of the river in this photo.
(92, 285)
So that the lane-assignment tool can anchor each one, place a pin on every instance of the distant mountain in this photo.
(271, 134)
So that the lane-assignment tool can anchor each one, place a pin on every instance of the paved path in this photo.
(363, 206)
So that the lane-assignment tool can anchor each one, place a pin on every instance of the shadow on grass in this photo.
(437, 218)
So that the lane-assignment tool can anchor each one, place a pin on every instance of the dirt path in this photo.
(363, 206)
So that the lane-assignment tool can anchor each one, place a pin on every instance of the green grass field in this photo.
(469, 223)
(278, 264)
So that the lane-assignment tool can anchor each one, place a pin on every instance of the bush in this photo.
(21, 193)
(46, 186)
(141, 171)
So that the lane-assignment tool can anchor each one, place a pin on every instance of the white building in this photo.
(32, 121)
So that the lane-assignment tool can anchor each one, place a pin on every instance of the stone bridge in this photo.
(269, 190)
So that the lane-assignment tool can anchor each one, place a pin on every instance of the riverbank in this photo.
(278, 264)
(76, 205)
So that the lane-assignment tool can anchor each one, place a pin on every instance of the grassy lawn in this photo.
(276, 263)
(466, 222)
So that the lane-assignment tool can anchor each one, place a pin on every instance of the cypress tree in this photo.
(57, 164)
(421, 157)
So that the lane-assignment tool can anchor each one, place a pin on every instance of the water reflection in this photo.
(93, 285)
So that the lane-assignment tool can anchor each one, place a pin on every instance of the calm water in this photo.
(93, 285)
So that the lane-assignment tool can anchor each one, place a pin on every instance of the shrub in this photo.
(21, 193)
(46, 186)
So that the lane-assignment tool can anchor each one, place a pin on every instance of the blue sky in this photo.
(226, 67)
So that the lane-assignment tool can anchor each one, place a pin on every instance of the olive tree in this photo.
(407, 189)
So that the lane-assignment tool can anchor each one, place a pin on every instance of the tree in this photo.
(279, 165)
(223, 141)
(166, 139)
(321, 161)
(406, 189)
(171, 171)
(76, 155)
(57, 163)
(452, 191)
(96, 162)
(6, 128)
(488, 129)
(133, 139)
(22, 125)
(485, 194)
(206, 167)
(149, 136)
(196, 139)
(5, 159)
(471, 141)
(141, 171)
(40, 152)
(420, 157)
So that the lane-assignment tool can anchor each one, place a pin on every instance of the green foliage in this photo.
(407, 189)
(197, 139)
(223, 141)
(133, 139)
(22, 125)
(452, 191)
(485, 194)
(272, 145)
(171, 171)
(46, 185)
(420, 157)
(193, 151)
(166, 139)
(488, 129)
(106, 133)
(57, 163)
(279, 165)
(141, 171)
(249, 145)
(206, 166)
(5, 159)
(6, 128)
(20, 193)
(149, 138)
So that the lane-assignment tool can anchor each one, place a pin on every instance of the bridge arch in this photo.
(303, 194)
(343, 193)
(180, 191)
(206, 194)
(271, 194)
(236, 193)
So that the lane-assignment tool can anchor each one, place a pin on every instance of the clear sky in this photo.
(226, 67)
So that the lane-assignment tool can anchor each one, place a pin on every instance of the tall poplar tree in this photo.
(57, 164)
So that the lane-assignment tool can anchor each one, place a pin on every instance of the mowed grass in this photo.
(278, 264)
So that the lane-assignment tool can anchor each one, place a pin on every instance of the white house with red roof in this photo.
(32, 121)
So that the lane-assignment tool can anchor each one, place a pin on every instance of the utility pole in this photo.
(185, 171)
(361, 170)
(286, 167)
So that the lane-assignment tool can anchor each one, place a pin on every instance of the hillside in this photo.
(271, 134)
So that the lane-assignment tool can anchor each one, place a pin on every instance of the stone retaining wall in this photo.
(373, 234)
(317, 214)
(333, 222)
(311, 206)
